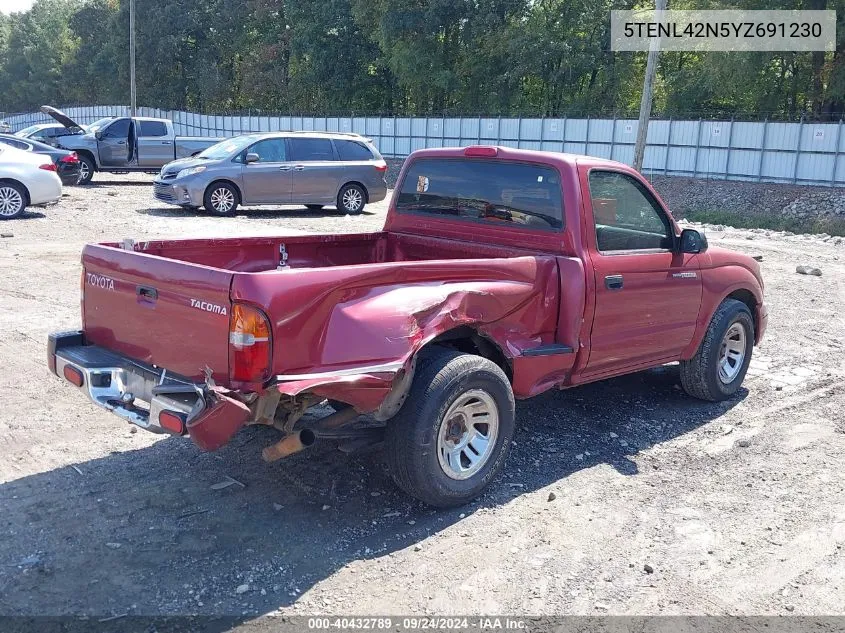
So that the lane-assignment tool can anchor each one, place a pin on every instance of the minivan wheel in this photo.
(452, 435)
(220, 198)
(12, 200)
(351, 199)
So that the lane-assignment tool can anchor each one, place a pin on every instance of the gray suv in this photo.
(311, 168)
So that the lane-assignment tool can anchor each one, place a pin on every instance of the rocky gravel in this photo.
(621, 497)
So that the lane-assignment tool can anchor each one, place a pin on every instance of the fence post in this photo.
(563, 137)
(668, 147)
(478, 131)
(542, 131)
(499, 131)
(798, 151)
(519, 132)
(613, 136)
(762, 150)
(836, 154)
(730, 141)
(697, 145)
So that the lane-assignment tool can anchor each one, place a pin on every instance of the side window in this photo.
(118, 129)
(626, 215)
(270, 150)
(352, 150)
(311, 149)
(152, 128)
(14, 143)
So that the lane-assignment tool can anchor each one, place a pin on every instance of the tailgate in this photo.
(165, 312)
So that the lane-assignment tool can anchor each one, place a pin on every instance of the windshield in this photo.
(28, 130)
(98, 124)
(226, 148)
(521, 194)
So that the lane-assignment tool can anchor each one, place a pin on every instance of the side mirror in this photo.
(692, 241)
(251, 157)
(98, 135)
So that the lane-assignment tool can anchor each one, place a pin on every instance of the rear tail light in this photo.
(250, 347)
(70, 158)
(48, 167)
(381, 166)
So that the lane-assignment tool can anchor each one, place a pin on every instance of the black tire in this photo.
(313, 207)
(700, 376)
(411, 441)
(87, 167)
(13, 199)
(351, 199)
(337, 405)
(221, 199)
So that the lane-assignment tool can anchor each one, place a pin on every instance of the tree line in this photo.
(396, 57)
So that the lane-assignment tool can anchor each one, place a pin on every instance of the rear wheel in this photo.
(451, 437)
(718, 368)
(86, 169)
(351, 199)
(12, 200)
(221, 198)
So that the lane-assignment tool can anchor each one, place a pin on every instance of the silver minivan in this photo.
(315, 169)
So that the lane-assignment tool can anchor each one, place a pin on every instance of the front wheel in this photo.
(718, 368)
(451, 437)
(221, 198)
(12, 200)
(351, 199)
(86, 170)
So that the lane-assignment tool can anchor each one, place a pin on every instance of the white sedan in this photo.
(26, 179)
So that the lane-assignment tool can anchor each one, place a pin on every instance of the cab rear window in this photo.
(492, 191)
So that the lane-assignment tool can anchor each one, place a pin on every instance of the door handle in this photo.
(121, 142)
(147, 293)
(299, 168)
(285, 168)
(166, 142)
(613, 282)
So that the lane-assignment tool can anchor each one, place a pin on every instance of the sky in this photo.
(10, 6)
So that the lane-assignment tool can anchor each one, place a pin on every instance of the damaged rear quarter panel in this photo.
(345, 318)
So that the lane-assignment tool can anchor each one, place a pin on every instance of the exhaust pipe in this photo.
(289, 445)
(304, 438)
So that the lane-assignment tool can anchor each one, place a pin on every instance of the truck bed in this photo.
(341, 301)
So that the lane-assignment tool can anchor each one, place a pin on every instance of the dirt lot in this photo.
(663, 504)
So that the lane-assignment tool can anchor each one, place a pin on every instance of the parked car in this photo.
(67, 162)
(5, 127)
(26, 179)
(310, 168)
(500, 274)
(124, 144)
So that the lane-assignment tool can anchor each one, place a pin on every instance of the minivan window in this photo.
(152, 128)
(522, 194)
(226, 148)
(310, 149)
(269, 150)
(352, 150)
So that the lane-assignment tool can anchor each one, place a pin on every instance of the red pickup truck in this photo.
(499, 274)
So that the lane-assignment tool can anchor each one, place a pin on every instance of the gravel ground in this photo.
(661, 504)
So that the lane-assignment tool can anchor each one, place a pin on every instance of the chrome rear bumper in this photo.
(134, 391)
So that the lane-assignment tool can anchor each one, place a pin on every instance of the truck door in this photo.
(647, 295)
(113, 144)
(155, 143)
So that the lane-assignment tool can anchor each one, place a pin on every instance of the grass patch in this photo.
(829, 225)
